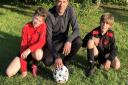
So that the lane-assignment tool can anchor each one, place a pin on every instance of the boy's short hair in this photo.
(41, 12)
(107, 18)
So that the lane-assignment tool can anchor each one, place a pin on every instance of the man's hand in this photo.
(67, 48)
(58, 63)
(107, 65)
(25, 53)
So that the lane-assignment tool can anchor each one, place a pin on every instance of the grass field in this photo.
(12, 19)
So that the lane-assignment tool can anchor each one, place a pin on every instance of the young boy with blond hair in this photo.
(101, 45)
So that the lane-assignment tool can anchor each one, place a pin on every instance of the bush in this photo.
(115, 2)
(82, 6)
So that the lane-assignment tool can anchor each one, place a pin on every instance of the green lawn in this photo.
(12, 19)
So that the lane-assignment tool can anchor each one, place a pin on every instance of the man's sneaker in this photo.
(34, 70)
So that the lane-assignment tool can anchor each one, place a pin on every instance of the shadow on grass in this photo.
(46, 72)
(121, 16)
(9, 46)
(20, 8)
(80, 62)
(1, 13)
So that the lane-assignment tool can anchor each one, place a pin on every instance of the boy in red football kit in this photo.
(33, 40)
(100, 43)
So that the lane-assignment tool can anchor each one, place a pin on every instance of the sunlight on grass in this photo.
(13, 18)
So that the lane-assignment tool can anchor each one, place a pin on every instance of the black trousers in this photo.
(49, 59)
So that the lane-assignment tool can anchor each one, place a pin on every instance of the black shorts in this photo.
(101, 59)
(101, 56)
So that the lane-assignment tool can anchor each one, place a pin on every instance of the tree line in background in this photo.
(98, 2)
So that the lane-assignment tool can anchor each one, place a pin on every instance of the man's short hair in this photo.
(41, 12)
(107, 18)
(57, 0)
